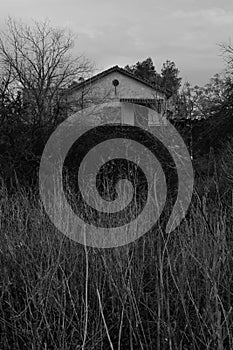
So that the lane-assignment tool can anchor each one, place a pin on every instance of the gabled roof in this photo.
(122, 71)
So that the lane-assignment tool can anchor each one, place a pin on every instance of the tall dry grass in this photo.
(160, 292)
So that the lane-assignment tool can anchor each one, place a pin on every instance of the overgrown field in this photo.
(161, 292)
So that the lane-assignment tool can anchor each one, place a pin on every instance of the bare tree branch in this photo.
(40, 61)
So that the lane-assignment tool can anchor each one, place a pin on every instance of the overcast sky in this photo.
(123, 32)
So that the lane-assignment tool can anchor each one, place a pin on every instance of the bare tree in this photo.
(39, 58)
(36, 68)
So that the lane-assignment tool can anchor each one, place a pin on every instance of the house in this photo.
(117, 84)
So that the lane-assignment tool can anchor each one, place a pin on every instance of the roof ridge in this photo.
(122, 70)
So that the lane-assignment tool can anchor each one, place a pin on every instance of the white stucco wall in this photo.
(104, 91)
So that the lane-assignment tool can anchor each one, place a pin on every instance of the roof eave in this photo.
(122, 71)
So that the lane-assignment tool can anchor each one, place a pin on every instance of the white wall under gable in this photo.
(102, 90)
(127, 88)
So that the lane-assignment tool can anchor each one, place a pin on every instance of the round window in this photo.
(115, 82)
